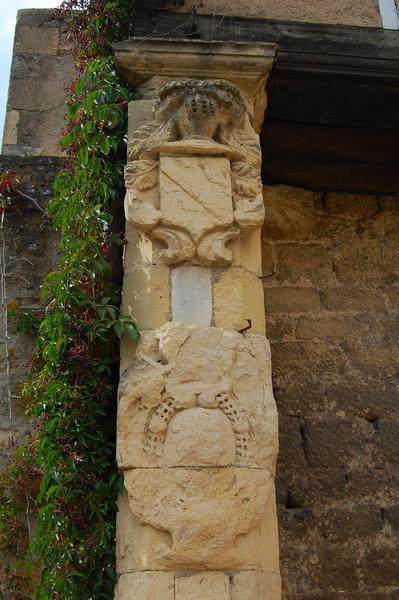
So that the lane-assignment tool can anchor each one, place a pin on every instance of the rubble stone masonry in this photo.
(330, 273)
(31, 251)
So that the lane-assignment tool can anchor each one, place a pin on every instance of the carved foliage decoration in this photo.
(193, 173)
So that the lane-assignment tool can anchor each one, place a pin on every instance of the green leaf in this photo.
(83, 155)
(118, 329)
(105, 145)
(132, 332)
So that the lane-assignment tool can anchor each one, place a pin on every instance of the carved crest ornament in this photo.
(197, 440)
(192, 176)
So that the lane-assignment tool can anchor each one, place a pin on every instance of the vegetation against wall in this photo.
(72, 388)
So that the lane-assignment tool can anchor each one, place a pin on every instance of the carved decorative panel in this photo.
(193, 174)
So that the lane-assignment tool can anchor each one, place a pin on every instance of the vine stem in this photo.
(3, 297)
(35, 202)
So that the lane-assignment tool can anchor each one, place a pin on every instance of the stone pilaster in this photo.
(197, 421)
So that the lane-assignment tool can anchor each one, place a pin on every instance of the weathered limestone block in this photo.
(238, 299)
(137, 543)
(195, 195)
(146, 295)
(149, 585)
(203, 586)
(221, 377)
(192, 295)
(203, 511)
(253, 585)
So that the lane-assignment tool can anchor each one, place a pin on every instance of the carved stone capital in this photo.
(246, 65)
(193, 174)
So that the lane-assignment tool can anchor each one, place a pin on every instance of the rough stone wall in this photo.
(42, 67)
(341, 12)
(331, 267)
(31, 251)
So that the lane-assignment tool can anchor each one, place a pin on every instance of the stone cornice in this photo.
(247, 65)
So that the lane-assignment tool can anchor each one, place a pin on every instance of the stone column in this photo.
(197, 421)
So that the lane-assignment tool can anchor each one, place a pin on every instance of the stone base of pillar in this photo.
(207, 585)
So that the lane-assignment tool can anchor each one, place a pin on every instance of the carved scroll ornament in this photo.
(192, 177)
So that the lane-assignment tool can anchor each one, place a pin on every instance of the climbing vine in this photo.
(72, 387)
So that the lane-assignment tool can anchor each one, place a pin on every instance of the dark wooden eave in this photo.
(333, 115)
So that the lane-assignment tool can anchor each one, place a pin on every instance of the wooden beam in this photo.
(293, 38)
(334, 158)
(334, 99)
(332, 118)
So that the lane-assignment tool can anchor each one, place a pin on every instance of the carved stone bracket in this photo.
(193, 174)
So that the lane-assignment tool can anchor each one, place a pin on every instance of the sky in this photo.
(8, 12)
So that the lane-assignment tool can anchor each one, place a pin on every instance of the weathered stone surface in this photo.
(238, 299)
(247, 252)
(146, 285)
(10, 133)
(205, 511)
(330, 444)
(140, 113)
(135, 542)
(200, 436)
(304, 263)
(350, 206)
(335, 382)
(203, 586)
(391, 514)
(327, 326)
(288, 212)
(370, 262)
(320, 483)
(342, 12)
(180, 368)
(255, 585)
(146, 586)
(29, 42)
(291, 300)
(192, 295)
(291, 444)
(40, 73)
(195, 194)
(348, 298)
(31, 252)
(379, 566)
(388, 437)
(351, 522)
(146, 295)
